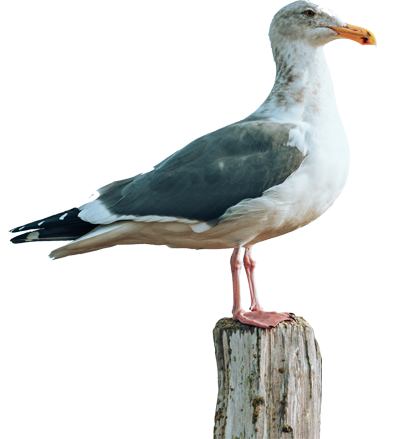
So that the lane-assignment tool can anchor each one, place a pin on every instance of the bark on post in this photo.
(269, 381)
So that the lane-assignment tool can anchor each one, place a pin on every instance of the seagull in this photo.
(264, 176)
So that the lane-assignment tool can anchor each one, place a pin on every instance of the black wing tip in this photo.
(49, 221)
(64, 226)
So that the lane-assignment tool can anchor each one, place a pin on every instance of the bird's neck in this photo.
(303, 89)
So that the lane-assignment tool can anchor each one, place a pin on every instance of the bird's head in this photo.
(313, 25)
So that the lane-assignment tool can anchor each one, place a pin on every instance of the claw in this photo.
(272, 326)
(292, 313)
(293, 318)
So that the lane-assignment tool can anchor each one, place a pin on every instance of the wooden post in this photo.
(269, 381)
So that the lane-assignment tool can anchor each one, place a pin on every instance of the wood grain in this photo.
(269, 381)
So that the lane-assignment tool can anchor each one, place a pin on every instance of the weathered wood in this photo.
(269, 381)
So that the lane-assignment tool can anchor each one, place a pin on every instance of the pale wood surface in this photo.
(269, 381)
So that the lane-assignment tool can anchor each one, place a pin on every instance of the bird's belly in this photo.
(305, 197)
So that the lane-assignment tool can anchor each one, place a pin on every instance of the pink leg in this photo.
(256, 317)
(236, 267)
(250, 265)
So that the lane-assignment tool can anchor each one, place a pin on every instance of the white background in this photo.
(358, 402)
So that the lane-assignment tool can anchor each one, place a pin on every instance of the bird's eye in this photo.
(309, 13)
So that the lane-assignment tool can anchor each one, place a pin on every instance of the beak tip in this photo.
(356, 33)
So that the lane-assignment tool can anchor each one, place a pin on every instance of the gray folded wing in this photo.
(205, 178)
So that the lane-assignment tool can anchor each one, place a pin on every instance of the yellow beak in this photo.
(355, 33)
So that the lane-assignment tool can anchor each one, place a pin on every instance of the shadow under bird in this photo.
(264, 176)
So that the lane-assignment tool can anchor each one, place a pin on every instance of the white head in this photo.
(313, 25)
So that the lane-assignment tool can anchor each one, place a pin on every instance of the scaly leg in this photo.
(249, 266)
(236, 267)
